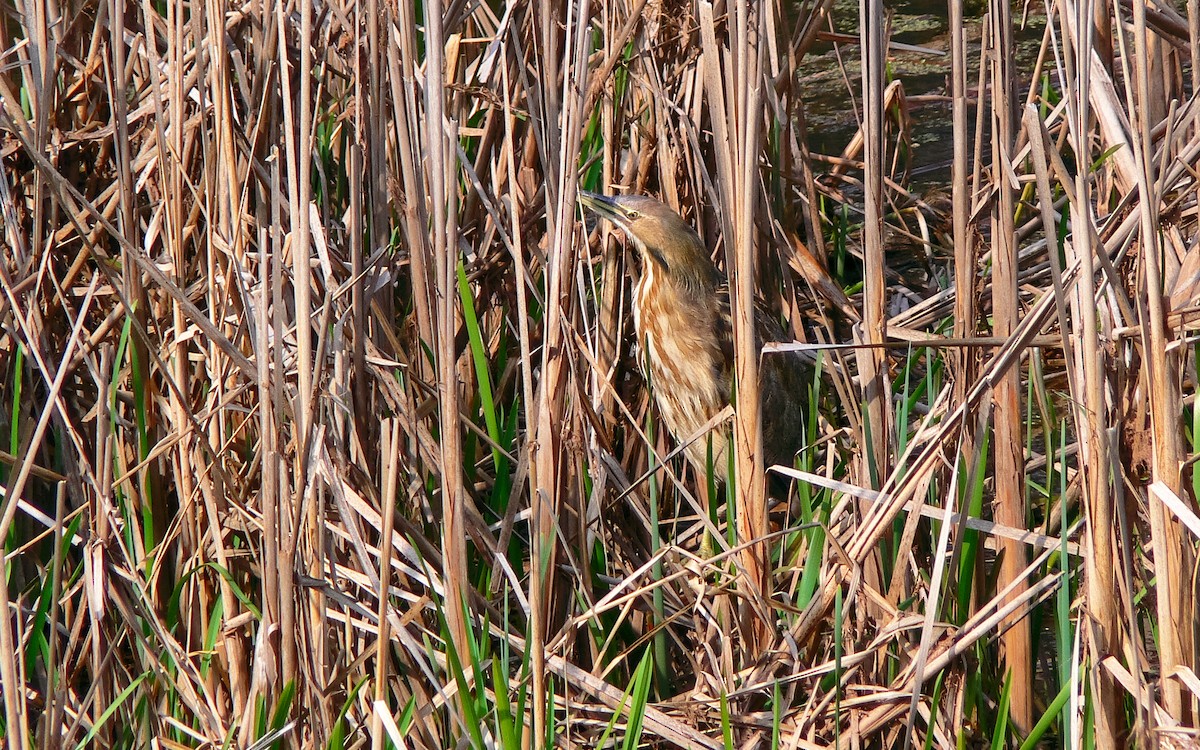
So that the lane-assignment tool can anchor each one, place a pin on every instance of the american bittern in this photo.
(684, 329)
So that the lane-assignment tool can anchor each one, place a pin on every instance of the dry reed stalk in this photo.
(1009, 503)
(1090, 365)
(748, 435)
(441, 165)
(730, 100)
(1193, 39)
(1040, 145)
(966, 256)
(1175, 612)
(225, 207)
(876, 453)
(550, 473)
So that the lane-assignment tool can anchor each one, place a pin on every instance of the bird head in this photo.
(660, 235)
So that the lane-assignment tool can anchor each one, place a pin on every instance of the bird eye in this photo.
(633, 215)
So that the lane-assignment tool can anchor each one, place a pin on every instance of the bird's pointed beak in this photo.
(601, 205)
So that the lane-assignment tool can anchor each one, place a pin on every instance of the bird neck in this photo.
(694, 277)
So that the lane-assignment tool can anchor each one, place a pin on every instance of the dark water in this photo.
(925, 23)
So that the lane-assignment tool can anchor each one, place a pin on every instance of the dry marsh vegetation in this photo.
(298, 307)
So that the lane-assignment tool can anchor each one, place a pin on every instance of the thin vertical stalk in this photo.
(544, 463)
(357, 223)
(966, 252)
(14, 706)
(301, 245)
(1103, 30)
(150, 486)
(225, 211)
(176, 219)
(738, 192)
(608, 322)
(40, 81)
(442, 165)
(57, 689)
(281, 549)
(1091, 418)
(374, 137)
(1009, 503)
(548, 470)
(1175, 616)
(269, 497)
(1040, 144)
(873, 361)
(402, 63)
(391, 457)
(537, 634)
(303, 342)
(101, 509)
(964, 245)
(305, 365)
(751, 479)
